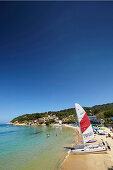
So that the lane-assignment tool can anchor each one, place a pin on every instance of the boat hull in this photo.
(82, 146)
(90, 150)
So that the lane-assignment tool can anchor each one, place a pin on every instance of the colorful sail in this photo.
(85, 124)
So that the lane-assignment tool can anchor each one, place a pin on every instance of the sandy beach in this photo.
(102, 161)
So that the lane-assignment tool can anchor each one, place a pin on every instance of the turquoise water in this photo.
(29, 148)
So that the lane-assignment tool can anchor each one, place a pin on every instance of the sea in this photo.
(30, 148)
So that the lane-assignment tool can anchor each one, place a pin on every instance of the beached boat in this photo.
(86, 133)
(90, 150)
(82, 146)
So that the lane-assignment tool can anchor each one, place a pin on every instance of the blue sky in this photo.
(53, 54)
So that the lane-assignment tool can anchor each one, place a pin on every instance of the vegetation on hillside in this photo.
(104, 111)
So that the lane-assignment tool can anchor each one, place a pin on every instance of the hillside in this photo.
(101, 111)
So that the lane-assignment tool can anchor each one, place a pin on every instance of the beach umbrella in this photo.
(102, 128)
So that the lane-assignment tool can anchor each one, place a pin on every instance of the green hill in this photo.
(101, 111)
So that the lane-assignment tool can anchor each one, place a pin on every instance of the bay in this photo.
(29, 148)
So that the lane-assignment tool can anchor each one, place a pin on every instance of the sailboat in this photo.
(87, 133)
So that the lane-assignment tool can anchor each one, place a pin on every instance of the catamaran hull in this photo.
(82, 146)
(87, 150)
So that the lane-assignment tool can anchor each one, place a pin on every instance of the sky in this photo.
(53, 54)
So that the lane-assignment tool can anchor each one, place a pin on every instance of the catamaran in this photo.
(87, 133)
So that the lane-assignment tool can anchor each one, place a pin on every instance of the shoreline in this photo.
(87, 161)
(78, 142)
(24, 124)
(90, 161)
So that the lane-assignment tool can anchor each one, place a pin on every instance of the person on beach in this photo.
(109, 135)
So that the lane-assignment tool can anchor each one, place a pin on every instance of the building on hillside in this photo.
(56, 119)
(45, 119)
(64, 120)
(95, 120)
(41, 119)
(35, 121)
(51, 117)
(70, 115)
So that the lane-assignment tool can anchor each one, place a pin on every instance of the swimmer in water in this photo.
(48, 135)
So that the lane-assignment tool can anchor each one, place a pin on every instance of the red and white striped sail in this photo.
(85, 124)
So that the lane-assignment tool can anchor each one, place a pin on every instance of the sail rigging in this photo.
(85, 124)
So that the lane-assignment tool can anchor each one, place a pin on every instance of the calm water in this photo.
(28, 148)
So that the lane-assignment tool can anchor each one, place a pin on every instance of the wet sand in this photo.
(97, 161)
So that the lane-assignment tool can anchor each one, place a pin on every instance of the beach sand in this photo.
(101, 161)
